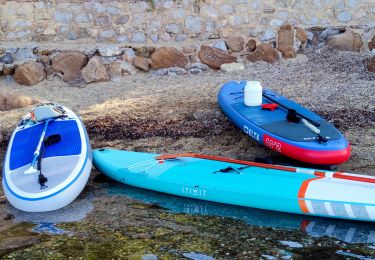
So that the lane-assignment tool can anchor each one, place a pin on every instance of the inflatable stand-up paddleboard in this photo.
(285, 126)
(264, 186)
(48, 160)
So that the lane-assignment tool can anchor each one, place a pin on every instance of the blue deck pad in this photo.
(26, 141)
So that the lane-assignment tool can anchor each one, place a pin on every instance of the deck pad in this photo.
(275, 122)
(25, 142)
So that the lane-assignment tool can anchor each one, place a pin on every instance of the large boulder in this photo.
(95, 71)
(371, 44)
(69, 64)
(251, 45)
(290, 39)
(166, 57)
(213, 57)
(144, 52)
(12, 101)
(347, 41)
(29, 73)
(371, 64)
(264, 52)
(141, 63)
(235, 44)
(285, 41)
(301, 35)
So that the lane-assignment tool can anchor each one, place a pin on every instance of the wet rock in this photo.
(141, 63)
(285, 41)
(230, 67)
(109, 51)
(251, 45)
(149, 257)
(7, 58)
(12, 101)
(13, 243)
(165, 57)
(264, 52)
(29, 73)
(95, 71)
(371, 44)
(220, 45)
(69, 64)
(214, 57)
(235, 43)
(371, 64)
(144, 52)
(8, 217)
(347, 41)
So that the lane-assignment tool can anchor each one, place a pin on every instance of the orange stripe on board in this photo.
(303, 189)
(222, 159)
(303, 206)
(339, 175)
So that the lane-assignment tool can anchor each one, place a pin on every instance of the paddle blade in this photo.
(31, 170)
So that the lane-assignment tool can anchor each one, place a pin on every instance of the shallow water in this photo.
(347, 231)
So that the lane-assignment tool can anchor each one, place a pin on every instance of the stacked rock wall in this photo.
(158, 21)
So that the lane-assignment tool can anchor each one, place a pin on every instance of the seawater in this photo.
(347, 231)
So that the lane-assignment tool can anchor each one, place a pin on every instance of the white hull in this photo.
(67, 174)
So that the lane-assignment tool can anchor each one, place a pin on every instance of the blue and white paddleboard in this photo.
(43, 175)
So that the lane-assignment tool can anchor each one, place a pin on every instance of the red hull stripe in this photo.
(306, 155)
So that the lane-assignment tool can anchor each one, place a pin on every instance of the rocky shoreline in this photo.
(34, 63)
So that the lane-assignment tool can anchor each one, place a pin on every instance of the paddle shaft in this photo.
(37, 151)
(282, 105)
(287, 108)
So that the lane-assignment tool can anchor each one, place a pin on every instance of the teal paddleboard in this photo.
(270, 187)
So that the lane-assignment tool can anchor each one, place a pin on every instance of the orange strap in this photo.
(222, 159)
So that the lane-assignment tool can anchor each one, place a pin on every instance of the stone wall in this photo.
(158, 21)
